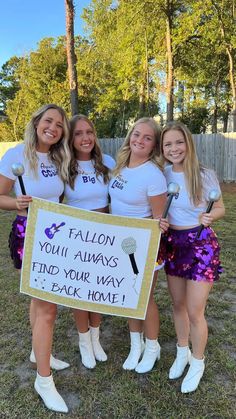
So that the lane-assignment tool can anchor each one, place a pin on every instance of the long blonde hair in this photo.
(59, 153)
(96, 153)
(123, 155)
(191, 165)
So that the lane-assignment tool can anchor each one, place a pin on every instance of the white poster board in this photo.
(88, 260)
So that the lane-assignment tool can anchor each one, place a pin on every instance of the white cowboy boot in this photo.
(183, 357)
(192, 379)
(55, 363)
(45, 387)
(151, 353)
(98, 351)
(135, 352)
(86, 350)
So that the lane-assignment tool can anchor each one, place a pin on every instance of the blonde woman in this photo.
(45, 156)
(88, 189)
(192, 263)
(138, 189)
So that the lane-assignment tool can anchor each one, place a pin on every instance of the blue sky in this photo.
(23, 23)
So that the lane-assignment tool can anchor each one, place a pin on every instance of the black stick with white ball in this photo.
(129, 246)
(214, 196)
(172, 191)
(18, 170)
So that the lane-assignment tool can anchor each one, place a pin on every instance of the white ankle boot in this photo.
(98, 351)
(142, 343)
(151, 353)
(45, 387)
(135, 351)
(193, 376)
(55, 363)
(86, 350)
(183, 357)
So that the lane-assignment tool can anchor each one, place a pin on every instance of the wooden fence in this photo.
(216, 151)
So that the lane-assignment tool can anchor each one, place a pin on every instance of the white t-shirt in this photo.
(182, 212)
(131, 188)
(90, 192)
(47, 185)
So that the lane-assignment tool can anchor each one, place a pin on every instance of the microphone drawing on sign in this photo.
(129, 246)
(172, 191)
(214, 195)
(18, 170)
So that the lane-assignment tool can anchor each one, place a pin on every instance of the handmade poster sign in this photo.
(88, 260)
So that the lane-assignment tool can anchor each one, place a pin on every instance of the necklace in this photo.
(83, 172)
(90, 168)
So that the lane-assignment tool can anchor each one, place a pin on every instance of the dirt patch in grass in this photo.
(228, 187)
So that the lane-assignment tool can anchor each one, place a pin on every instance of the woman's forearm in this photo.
(8, 203)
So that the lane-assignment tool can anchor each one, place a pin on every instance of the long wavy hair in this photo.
(96, 153)
(123, 155)
(193, 169)
(58, 153)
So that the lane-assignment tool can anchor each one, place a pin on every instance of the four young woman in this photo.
(137, 188)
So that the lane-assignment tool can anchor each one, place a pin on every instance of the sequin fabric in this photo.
(16, 240)
(193, 258)
(161, 255)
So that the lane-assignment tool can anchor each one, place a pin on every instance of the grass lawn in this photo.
(108, 391)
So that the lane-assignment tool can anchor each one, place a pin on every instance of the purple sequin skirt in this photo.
(161, 257)
(16, 240)
(193, 258)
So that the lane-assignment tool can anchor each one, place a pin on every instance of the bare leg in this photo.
(45, 315)
(95, 319)
(81, 320)
(177, 290)
(32, 314)
(135, 325)
(55, 363)
(197, 295)
(152, 322)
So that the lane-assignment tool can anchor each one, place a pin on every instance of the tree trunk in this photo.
(233, 86)
(71, 57)
(229, 50)
(226, 118)
(181, 98)
(170, 71)
(142, 100)
(214, 119)
(216, 109)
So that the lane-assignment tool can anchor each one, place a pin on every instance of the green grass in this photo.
(108, 391)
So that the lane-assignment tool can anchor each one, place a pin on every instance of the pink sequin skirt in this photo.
(193, 258)
(16, 240)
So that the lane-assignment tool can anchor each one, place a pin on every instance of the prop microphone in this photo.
(172, 190)
(214, 195)
(129, 247)
(18, 170)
